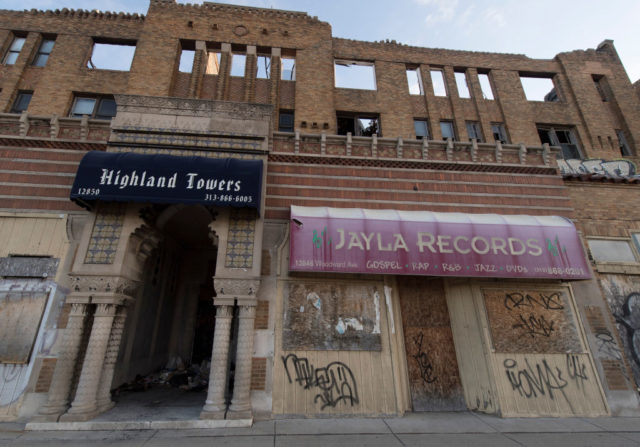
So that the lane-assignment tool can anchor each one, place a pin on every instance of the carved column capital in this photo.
(236, 288)
(111, 288)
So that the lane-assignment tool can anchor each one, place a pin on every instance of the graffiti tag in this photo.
(424, 362)
(335, 382)
(611, 168)
(630, 319)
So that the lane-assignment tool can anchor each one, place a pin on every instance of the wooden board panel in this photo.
(548, 385)
(331, 316)
(432, 365)
(529, 320)
(325, 382)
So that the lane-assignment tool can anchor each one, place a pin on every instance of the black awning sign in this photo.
(129, 177)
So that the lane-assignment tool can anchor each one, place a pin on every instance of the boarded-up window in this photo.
(531, 321)
(330, 316)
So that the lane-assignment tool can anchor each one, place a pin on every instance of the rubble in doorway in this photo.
(175, 374)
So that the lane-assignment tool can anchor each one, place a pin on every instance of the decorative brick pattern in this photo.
(106, 234)
(242, 226)
(258, 373)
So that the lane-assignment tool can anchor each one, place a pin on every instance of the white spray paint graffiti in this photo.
(376, 301)
(387, 296)
(353, 323)
(611, 168)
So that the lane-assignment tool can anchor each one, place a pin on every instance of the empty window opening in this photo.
(358, 125)
(285, 121)
(446, 128)
(461, 84)
(414, 81)
(357, 75)
(22, 102)
(14, 50)
(421, 128)
(600, 84)
(622, 143)
(99, 107)
(238, 62)
(437, 79)
(564, 138)
(539, 88)
(213, 63)
(288, 69)
(499, 133)
(43, 52)
(264, 67)
(475, 131)
(485, 85)
(186, 61)
(112, 56)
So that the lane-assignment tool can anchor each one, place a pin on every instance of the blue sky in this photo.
(539, 29)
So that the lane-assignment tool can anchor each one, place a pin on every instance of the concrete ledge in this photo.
(138, 425)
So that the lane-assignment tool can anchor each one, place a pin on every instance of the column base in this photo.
(79, 417)
(212, 415)
(240, 414)
(106, 406)
(48, 417)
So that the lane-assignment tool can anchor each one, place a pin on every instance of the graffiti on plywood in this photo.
(334, 383)
(532, 321)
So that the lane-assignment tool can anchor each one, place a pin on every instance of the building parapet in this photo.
(53, 127)
(459, 152)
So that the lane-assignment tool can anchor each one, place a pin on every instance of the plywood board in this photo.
(529, 320)
(332, 316)
(434, 379)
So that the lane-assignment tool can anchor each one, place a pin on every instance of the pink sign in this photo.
(435, 244)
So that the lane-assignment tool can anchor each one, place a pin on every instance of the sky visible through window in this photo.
(459, 25)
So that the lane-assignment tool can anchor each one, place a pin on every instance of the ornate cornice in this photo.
(236, 288)
(103, 285)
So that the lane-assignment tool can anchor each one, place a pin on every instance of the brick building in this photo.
(340, 227)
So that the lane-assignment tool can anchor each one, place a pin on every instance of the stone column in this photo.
(103, 398)
(241, 402)
(58, 399)
(215, 405)
(84, 406)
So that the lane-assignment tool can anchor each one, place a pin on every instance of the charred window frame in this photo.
(462, 83)
(625, 149)
(539, 86)
(474, 130)
(499, 133)
(448, 130)
(286, 121)
(111, 54)
(11, 56)
(288, 68)
(414, 81)
(263, 66)
(565, 137)
(421, 128)
(485, 86)
(44, 51)
(21, 103)
(94, 106)
(359, 75)
(358, 124)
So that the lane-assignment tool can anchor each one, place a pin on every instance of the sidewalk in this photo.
(414, 429)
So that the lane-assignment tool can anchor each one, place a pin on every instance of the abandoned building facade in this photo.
(337, 226)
